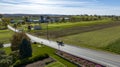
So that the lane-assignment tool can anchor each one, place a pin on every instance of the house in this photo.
(0, 20)
(37, 27)
(36, 21)
(12, 21)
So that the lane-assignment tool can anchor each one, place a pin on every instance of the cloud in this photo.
(57, 7)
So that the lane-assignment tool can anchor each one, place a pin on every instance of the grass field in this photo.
(99, 39)
(42, 50)
(56, 64)
(114, 47)
(64, 29)
(5, 36)
(71, 24)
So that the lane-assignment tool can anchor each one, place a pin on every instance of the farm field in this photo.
(65, 29)
(59, 26)
(99, 39)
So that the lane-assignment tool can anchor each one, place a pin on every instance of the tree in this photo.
(25, 49)
(26, 19)
(21, 42)
(6, 20)
(63, 20)
(17, 39)
(1, 15)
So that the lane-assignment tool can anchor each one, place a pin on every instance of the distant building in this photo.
(0, 20)
(36, 21)
(37, 27)
(12, 21)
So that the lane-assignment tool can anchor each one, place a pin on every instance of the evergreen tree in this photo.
(25, 49)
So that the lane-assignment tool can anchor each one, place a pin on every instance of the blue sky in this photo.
(68, 7)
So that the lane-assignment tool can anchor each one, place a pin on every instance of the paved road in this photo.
(7, 45)
(107, 59)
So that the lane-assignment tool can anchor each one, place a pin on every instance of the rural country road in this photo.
(104, 58)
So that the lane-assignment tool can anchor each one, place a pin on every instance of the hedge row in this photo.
(25, 61)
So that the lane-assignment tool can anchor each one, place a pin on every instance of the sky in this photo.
(66, 7)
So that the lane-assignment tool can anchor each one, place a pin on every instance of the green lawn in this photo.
(5, 36)
(42, 50)
(94, 39)
(56, 64)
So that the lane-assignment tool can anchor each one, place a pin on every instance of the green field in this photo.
(5, 36)
(42, 50)
(52, 26)
(99, 39)
(56, 64)
(73, 24)
(56, 30)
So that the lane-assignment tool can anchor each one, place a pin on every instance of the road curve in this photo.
(106, 59)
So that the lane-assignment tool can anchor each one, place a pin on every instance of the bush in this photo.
(15, 55)
(25, 61)
(1, 45)
(2, 52)
(5, 61)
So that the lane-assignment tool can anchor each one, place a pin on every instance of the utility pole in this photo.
(47, 32)
(47, 20)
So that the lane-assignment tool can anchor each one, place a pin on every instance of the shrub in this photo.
(15, 55)
(25, 61)
(25, 49)
(5, 61)
(1, 44)
(2, 52)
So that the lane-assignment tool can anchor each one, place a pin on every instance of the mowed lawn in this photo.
(46, 50)
(5, 35)
(94, 39)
